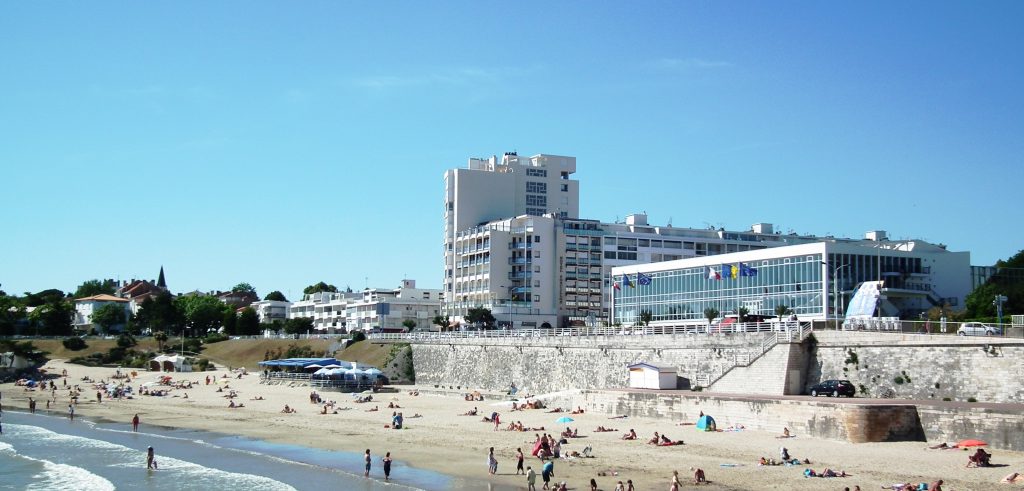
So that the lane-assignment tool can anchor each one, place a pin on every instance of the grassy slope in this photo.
(57, 350)
(365, 352)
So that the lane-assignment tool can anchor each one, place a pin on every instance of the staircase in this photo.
(746, 358)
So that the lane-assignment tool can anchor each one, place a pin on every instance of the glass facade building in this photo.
(682, 295)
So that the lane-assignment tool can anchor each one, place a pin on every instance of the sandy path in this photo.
(457, 445)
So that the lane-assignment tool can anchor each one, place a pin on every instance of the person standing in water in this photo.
(135, 422)
(387, 466)
(366, 473)
(150, 459)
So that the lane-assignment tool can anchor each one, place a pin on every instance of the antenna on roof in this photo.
(670, 222)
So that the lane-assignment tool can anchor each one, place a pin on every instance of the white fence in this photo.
(431, 336)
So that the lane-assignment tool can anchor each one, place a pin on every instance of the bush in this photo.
(971, 399)
(898, 380)
(201, 365)
(126, 341)
(357, 336)
(214, 337)
(75, 343)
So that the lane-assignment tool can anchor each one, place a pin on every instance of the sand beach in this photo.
(443, 440)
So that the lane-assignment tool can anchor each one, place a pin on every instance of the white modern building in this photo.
(536, 267)
(271, 311)
(84, 308)
(814, 281)
(370, 309)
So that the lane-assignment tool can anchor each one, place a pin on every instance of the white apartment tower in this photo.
(489, 190)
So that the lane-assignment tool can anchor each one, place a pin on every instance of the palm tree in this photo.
(781, 310)
(742, 312)
(645, 317)
(710, 313)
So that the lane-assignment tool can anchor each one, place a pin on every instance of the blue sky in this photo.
(288, 143)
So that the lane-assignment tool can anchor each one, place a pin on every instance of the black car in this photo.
(833, 388)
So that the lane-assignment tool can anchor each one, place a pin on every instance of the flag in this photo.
(730, 270)
(616, 284)
(747, 270)
(643, 279)
(626, 282)
(712, 274)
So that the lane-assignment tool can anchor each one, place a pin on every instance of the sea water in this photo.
(45, 452)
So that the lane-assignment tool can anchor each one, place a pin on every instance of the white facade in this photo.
(369, 309)
(493, 189)
(270, 311)
(84, 308)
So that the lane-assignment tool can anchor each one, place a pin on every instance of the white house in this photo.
(84, 308)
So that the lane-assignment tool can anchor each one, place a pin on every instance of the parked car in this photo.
(979, 329)
(833, 388)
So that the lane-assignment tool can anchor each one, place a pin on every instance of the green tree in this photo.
(480, 315)
(108, 315)
(645, 317)
(203, 313)
(442, 321)
(248, 322)
(54, 318)
(409, 324)
(742, 312)
(244, 288)
(24, 349)
(320, 287)
(160, 313)
(710, 313)
(298, 325)
(95, 287)
(1007, 282)
(40, 298)
(782, 311)
(11, 311)
(230, 323)
(161, 338)
(276, 295)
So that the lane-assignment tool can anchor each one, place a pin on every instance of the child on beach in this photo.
(366, 473)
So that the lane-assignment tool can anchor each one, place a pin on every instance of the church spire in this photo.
(161, 282)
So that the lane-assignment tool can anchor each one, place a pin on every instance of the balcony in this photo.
(520, 260)
(520, 275)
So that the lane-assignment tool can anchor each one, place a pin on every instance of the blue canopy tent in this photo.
(295, 364)
(706, 423)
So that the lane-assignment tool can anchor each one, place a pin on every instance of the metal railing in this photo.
(794, 334)
(785, 329)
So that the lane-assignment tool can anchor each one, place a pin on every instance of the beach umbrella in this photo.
(372, 371)
(332, 365)
(564, 419)
(971, 443)
(315, 366)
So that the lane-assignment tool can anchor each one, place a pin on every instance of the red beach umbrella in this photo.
(971, 443)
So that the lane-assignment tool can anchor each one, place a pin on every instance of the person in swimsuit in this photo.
(150, 459)
(387, 466)
(135, 423)
(367, 459)
(519, 461)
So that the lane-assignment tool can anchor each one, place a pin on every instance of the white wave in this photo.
(6, 447)
(122, 456)
(63, 476)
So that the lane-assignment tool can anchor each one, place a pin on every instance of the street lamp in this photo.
(835, 291)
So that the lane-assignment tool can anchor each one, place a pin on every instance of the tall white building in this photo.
(492, 189)
(537, 268)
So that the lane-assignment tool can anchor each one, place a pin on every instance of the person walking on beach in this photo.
(150, 459)
(135, 422)
(367, 459)
(492, 462)
(531, 479)
(71, 412)
(547, 472)
(387, 466)
(519, 461)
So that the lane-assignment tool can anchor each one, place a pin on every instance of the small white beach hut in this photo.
(645, 375)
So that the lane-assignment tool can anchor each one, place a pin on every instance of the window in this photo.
(609, 254)
(536, 239)
(643, 243)
(536, 283)
(536, 200)
(536, 269)
(673, 244)
(537, 172)
(534, 211)
(565, 188)
(536, 253)
(536, 187)
(536, 298)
